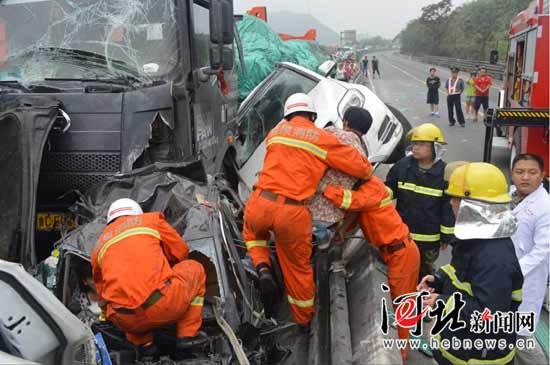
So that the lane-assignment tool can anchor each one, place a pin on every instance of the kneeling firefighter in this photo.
(484, 268)
(144, 279)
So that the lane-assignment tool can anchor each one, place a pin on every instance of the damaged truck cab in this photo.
(89, 89)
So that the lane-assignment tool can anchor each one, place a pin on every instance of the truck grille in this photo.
(65, 171)
(80, 162)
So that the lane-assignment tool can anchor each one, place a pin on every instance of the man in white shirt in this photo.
(531, 206)
(455, 87)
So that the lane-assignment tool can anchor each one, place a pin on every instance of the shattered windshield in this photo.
(87, 39)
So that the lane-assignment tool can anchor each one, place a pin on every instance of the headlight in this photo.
(85, 353)
(352, 97)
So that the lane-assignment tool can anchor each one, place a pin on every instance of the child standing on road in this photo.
(470, 95)
(433, 83)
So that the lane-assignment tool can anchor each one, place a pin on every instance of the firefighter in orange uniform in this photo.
(144, 279)
(383, 227)
(298, 154)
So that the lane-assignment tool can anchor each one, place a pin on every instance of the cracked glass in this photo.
(134, 40)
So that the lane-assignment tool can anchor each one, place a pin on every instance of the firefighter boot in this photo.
(268, 288)
(147, 353)
(186, 343)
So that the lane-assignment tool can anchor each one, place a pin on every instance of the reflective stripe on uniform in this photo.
(449, 305)
(125, 234)
(451, 273)
(517, 295)
(257, 243)
(458, 361)
(467, 287)
(296, 143)
(388, 199)
(420, 189)
(301, 303)
(198, 301)
(447, 230)
(426, 237)
(346, 200)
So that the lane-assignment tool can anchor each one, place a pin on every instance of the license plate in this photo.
(47, 221)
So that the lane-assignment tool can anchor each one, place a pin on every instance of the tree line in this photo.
(469, 31)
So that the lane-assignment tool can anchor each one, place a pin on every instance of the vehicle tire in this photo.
(399, 151)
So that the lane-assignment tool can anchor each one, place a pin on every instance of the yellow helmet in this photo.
(426, 132)
(479, 181)
(451, 167)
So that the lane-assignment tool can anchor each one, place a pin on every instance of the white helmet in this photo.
(122, 207)
(299, 102)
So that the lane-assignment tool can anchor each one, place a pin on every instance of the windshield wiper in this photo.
(13, 84)
(118, 81)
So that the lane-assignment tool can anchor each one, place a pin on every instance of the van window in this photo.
(265, 111)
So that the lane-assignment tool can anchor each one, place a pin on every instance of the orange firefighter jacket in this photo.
(133, 258)
(298, 154)
(378, 217)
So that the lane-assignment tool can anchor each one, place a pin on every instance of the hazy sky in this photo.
(374, 17)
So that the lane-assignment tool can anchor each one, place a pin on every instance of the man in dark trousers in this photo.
(433, 83)
(366, 66)
(482, 84)
(455, 87)
(375, 69)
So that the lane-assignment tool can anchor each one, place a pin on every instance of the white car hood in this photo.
(328, 94)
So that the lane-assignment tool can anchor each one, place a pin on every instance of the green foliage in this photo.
(373, 43)
(469, 31)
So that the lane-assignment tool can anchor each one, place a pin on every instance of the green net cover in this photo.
(262, 49)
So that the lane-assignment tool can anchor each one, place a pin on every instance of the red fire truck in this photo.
(522, 112)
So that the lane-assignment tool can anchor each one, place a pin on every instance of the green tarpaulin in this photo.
(263, 48)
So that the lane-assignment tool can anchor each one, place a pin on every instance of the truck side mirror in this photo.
(216, 24)
(228, 20)
(221, 34)
(228, 60)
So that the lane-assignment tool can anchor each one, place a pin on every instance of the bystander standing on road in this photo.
(375, 69)
(366, 66)
(433, 83)
(482, 85)
(470, 95)
(531, 206)
(455, 87)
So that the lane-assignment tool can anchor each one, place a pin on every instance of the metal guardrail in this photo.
(496, 71)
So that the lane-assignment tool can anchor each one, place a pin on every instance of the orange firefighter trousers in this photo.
(291, 225)
(181, 303)
(403, 269)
